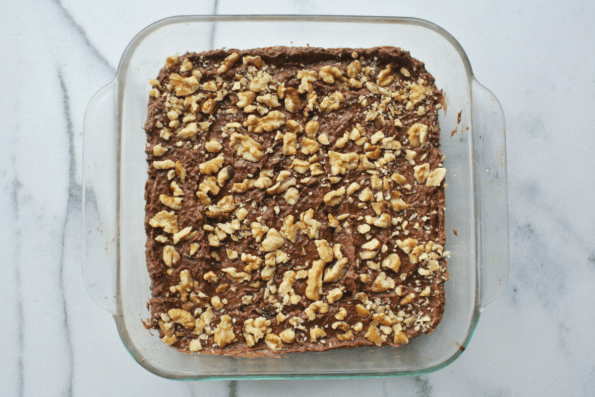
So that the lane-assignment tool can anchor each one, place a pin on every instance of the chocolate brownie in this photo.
(294, 201)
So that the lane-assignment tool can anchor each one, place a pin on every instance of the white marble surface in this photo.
(538, 57)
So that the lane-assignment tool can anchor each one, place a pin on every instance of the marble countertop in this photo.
(538, 57)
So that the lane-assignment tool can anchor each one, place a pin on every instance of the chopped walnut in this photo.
(392, 262)
(418, 134)
(253, 60)
(268, 123)
(316, 307)
(292, 100)
(329, 73)
(212, 166)
(223, 334)
(341, 162)
(274, 342)
(316, 333)
(407, 300)
(312, 128)
(184, 86)
(421, 172)
(281, 186)
(314, 283)
(213, 146)
(382, 283)
(187, 284)
(291, 196)
(400, 338)
(398, 178)
(182, 234)
(260, 83)
(169, 340)
(228, 63)
(289, 229)
(171, 61)
(335, 272)
(361, 310)
(324, 250)
(374, 336)
(383, 221)
(159, 150)
(166, 220)
(289, 279)
(269, 100)
(209, 185)
(309, 225)
(163, 165)
(252, 262)
(245, 98)
(309, 146)
(254, 329)
(435, 177)
(182, 317)
(353, 69)
(334, 197)
(235, 276)
(289, 144)
(287, 336)
(246, 147)
(172, 202)
(170, 255)
(334, 295)
(385, 77)
(273, 241)
(332, 102)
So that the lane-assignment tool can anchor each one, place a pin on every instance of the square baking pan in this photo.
(115, 171)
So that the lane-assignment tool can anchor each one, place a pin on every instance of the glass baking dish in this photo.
(115, 173)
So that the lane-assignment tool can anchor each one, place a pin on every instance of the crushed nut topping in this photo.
(295, 201)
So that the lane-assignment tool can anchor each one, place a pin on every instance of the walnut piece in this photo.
(212, 166)
(385, 77)
(374, 336)
(183, 317)
(382, 283)
(353, 69)
(341, 162)
(274, 342)
(435, 177)
(269, 100)
(170, 255)
(166, 220)
(334, 197)
(288, 336)
(314, 283)
(246, 147)
(246, 98)
(328, 74)
(273, 241)
(291, 196)
(254, 329)
(421, 172)
(223, 334)
(316, 333)
(235, 276)
(184, 86)
(268, 123)
(418, 134)
(334, 273)
(293, 103)
(332, 102)
(228, 63)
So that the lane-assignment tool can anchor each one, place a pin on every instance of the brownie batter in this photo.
(295, 200)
